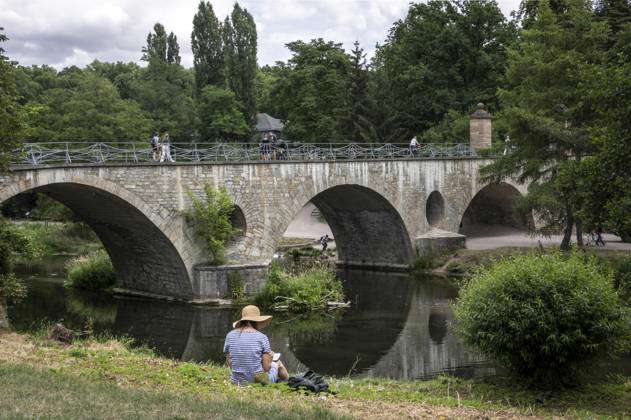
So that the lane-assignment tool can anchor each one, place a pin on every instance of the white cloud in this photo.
(64, 32)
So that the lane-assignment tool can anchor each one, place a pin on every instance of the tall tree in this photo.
(207, 46)
(358, 92)
(173, 50)
(161, 48)
(546, 111)
(240, 46)
(11, 113)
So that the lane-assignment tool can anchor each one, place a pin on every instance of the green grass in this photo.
(91, 272)
(45, 380)
(29, 392)
(301, 289)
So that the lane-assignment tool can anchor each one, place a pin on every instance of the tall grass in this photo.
(307, 288)
(91, 272)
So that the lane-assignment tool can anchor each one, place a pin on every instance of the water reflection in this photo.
(397, 327)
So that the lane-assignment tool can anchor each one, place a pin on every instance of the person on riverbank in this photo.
(248, 352)
(165, 148)
(324, 241)
(155, 146)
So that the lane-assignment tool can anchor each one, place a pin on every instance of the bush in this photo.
(91, 272)
(622, 278)
(210, 218)
(307, 289)
(543, 316)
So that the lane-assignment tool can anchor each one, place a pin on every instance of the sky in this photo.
(62, 33)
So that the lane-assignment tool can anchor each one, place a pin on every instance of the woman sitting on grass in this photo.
(248, 352)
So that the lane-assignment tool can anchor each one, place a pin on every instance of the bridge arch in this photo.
(493, 205)
(368, 230)
(140, 242)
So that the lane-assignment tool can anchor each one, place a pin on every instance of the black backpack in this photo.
(310, 381)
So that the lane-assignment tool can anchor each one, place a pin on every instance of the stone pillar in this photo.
(480, 129)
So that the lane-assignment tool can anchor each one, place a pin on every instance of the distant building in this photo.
(266, 123)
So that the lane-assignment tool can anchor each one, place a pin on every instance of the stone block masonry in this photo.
(376, 210)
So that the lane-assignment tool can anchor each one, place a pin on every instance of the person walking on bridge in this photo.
(155, 146)
(165, 148)
(414, 147)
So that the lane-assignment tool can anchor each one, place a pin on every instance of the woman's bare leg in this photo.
(283, 375)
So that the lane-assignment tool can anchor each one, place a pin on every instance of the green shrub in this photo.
(622, 278)
(543, 316)
(91, 272)
(307, 289)
(236, 286)
(210, 218)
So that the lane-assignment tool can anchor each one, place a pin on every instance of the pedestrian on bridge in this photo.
(155, 146)
(165, 148)
(414, 147)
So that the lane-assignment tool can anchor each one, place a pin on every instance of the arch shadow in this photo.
(144, 258)
(494, 205)
(367, 229)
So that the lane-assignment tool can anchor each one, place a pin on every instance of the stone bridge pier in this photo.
(379, 212)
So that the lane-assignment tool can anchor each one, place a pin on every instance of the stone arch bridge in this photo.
(380, 211)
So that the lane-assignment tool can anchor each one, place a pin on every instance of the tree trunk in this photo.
(579, 233)
(567, 232)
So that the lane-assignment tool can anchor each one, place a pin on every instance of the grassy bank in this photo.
(57, 238)
(107, 379)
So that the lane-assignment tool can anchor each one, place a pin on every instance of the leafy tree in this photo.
(605, 192)
(156, 49)
(11, 113)
(617, 14)
(313, 94)
(220, 115)
(445, 55)
(207, 46)
(240, 48)
(547, 115)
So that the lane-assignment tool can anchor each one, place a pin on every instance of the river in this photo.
(397, 327)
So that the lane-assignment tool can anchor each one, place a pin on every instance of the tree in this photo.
(617, 14)
(445, 55)
(207, 46)
(547, 115)
(313, 94)
(240, 48)
(220, 115)
(11, 112)
(604, 189)
(161, 48)
(173, 50)
(358, 92)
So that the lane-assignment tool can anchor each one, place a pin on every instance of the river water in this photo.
(398, 327)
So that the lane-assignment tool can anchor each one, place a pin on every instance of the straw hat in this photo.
(252, 313)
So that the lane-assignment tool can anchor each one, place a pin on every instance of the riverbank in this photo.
(58, 239)
(108, 378)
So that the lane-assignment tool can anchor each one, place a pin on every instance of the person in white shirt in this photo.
(414, 146)
(165, 149)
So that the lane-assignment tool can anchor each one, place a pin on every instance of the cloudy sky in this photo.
(66, 32)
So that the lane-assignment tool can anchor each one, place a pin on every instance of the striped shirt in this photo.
(246, 350)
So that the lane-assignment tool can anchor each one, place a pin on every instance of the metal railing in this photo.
(34, 154)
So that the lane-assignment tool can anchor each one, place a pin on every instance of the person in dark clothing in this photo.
(599, 236)
(324, 241)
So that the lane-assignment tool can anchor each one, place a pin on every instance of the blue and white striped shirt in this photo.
(246, 350)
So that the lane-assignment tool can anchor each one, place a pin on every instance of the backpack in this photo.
(309, 381)
(154, 141)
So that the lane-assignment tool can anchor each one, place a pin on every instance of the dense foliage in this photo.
(543, 316)
(305, 289)
(11, 113)
(210, 218)
(91, 272)
(13, 243)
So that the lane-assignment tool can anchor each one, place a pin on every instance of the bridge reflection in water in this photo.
(398, 327)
